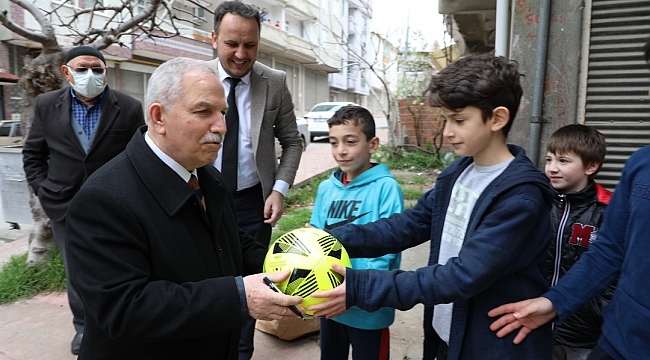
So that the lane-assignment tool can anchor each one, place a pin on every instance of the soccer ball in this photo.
(309, 254)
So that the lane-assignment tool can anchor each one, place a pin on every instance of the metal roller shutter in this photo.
(618, 81)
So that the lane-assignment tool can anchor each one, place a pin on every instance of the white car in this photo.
(10, 133)
(304, 135)
(318, 115)
(303, 129)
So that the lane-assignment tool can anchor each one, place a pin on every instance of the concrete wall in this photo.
(562, 66)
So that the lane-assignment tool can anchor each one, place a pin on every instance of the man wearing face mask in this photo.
(75, 130)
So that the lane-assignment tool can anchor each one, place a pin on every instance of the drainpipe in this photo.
(536, 118)
(502, 28)
(584, 63)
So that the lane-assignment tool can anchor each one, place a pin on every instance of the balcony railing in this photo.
(196, 34)
(296, 48)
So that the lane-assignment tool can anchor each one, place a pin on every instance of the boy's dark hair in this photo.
(357, 116)
(584, 141)
(237, 8)
(480, 80)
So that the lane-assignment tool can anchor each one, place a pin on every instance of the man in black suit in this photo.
(162, 267)
(75, 130)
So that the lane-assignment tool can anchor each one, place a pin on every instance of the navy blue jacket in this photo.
(502, 259)
(620, 252)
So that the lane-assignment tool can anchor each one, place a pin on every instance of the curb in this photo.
(309, 179)
(16, 247)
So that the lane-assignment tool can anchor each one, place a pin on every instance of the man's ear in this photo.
(156, 118)
(591, 168)
(374, 144)
(66, 74)
(213, 36)
(500, 118)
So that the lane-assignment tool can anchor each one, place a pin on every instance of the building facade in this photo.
(582, 63)
(383, 74)
(352, 32)
(307, 39)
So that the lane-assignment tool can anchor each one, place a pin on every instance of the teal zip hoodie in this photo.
(372, 195)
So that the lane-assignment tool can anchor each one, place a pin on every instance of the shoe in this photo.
(76, 344)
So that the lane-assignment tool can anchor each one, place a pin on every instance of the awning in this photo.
(8, 78)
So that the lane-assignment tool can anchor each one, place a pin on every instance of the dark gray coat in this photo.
(54, 161)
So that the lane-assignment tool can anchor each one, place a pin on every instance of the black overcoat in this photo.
(156, 274)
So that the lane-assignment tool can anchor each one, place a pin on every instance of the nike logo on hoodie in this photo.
(351, 218)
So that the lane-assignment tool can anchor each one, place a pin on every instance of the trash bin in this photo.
(14, 190)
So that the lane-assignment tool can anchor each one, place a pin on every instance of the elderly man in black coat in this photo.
(161, 265)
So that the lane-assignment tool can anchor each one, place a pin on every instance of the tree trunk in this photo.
(393, 120)
(41, 238)
(42, 74)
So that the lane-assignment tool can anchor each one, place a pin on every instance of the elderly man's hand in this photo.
(264, 303)
(335, 303)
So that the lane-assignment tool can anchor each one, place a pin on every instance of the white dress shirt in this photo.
(247, 169)
(178, 168)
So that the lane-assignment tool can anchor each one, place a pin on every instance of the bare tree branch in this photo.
(36, 13)
(195, 21)
(46, 37)
(99, 7)
(111, 36)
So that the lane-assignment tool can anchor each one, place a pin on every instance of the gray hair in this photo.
(165, 83)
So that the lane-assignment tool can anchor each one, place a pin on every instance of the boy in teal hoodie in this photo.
(359, 192)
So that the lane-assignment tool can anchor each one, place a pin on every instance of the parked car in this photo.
(304, 135)
(303, 129)
(10, 133)
(318, 115)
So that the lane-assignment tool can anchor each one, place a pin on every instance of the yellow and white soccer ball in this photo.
(309, 254)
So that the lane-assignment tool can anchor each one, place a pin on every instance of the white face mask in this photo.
(88, 83)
